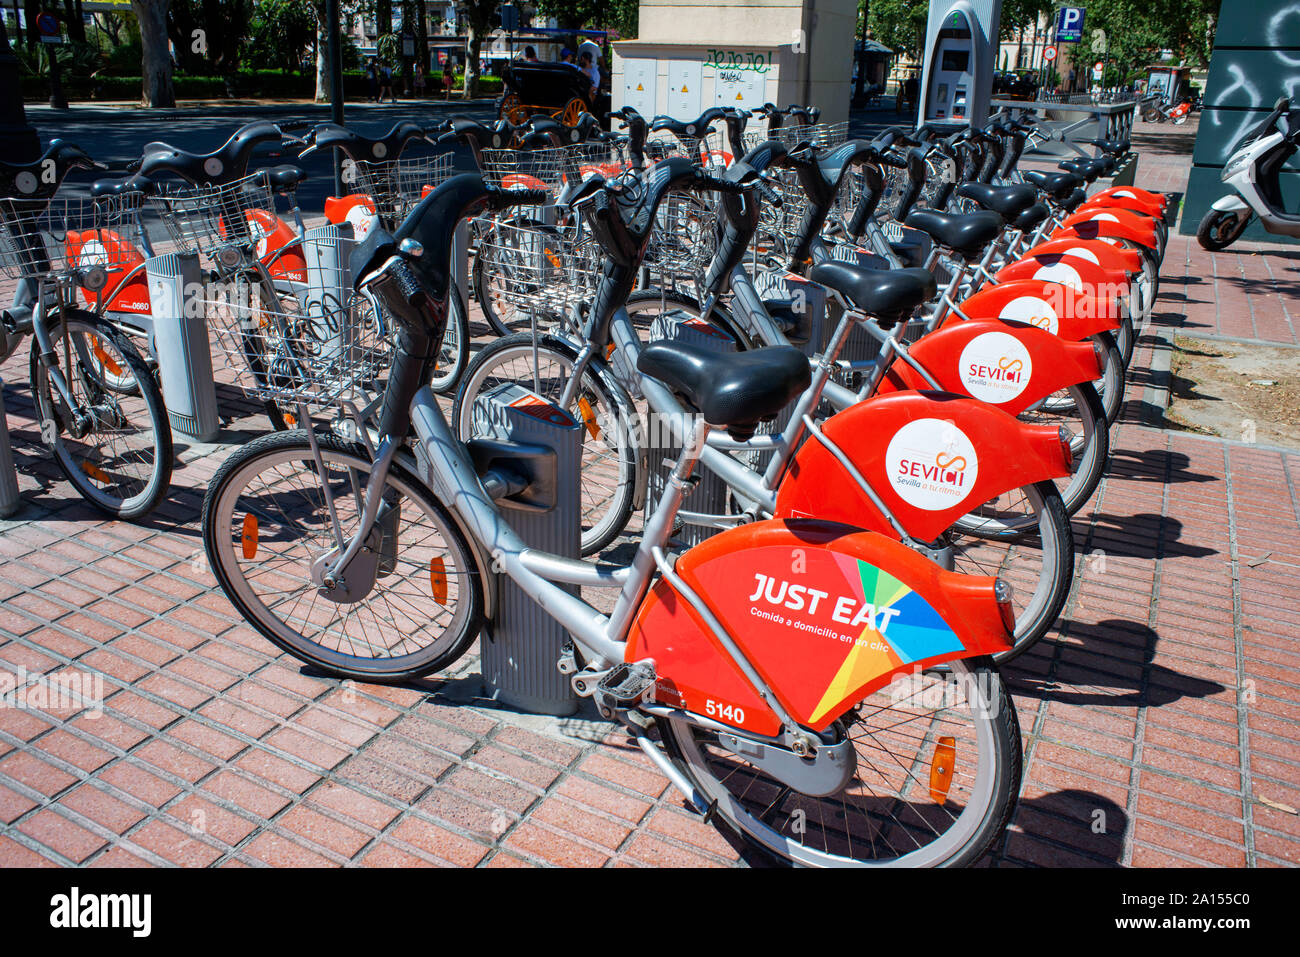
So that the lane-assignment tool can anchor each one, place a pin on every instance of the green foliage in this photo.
(282, 33)
(1023, 14)
(899, 25)
(620, 15)
(208, 35)
(389, 47)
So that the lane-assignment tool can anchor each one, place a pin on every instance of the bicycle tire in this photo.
(801, 819)
(94, 470)
(220, 531)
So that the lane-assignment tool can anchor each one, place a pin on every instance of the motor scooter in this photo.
(1252, 173)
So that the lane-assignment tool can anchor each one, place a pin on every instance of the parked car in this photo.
(1016, 85)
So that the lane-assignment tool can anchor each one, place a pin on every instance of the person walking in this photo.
(448, 78)
(372, 79)
(419, 79)
(386, 83)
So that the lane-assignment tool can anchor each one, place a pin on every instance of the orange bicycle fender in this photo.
(1006, 364)
(930, 457)
(826, 614)
(1053, 306)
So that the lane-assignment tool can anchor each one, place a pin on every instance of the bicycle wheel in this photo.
(609, 444)
(1077, 409)
(455, 347)
(268, 533)
(898, 810)
(117, 453)
(1110, 387)
(1023, 537)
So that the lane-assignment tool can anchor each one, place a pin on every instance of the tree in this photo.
(899, 25)
(1022, 15)
(282, 31)
(156, 63)
(207, 34)
(478, 14)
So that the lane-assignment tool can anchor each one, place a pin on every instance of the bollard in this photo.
(9, 500)
(522, 645)
(329, 285)
(710, 495)
(181, 344)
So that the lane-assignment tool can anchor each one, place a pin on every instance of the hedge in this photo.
(247, 84)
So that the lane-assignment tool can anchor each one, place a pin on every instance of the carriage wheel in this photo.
(572, 110)
(513, 109)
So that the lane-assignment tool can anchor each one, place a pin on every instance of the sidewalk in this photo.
(1160, 720)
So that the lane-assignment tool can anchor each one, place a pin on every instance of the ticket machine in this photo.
(960, 46)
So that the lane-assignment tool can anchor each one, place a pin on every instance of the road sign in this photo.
(1049, 54)
(1097, 69)
(1069, 24)
(48, 27)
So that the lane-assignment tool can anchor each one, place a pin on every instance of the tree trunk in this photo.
(471, 65)
(156, 61)
(422, 36)
(76, 28)
(322, 62)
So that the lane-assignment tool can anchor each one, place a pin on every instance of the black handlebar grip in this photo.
(769, 194)
(502, 199)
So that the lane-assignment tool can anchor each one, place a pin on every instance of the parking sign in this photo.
(1069, 24)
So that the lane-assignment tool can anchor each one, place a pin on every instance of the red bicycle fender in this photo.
(930, 457)
(826, 613)
(1130, 203)
(1052, 306)
(1109, 228)
(1006, 364)
(1075, 272)
(1157, 200)
(119, 256)
(1102, 253)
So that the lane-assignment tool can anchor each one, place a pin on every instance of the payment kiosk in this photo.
(960, 45)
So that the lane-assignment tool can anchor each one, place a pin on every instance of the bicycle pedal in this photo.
(626, 685)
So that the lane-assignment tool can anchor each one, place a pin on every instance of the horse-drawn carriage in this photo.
(556, 90)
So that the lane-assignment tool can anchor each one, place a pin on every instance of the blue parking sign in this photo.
(1069, 24)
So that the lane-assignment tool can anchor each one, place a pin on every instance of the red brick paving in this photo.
(1159, 719)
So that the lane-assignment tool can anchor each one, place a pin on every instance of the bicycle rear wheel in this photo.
(268, 533)
(117, 451)
(936, 781)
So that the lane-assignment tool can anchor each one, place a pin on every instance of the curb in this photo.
(1155, 395)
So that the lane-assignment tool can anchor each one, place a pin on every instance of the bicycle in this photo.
(100, 410)
(869, 768)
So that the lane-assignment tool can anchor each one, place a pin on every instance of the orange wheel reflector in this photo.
(609, 351)
(248, 536)
(95, 472)
(589, 417)
(102, 355)
(438, 580)
(290, 420)
(941, 765)
(552, 258)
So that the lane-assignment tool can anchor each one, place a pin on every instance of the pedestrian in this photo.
(530, 54)
(588, 66)
(386, 83)
(448, 78)
(372, 78)
(419, 79)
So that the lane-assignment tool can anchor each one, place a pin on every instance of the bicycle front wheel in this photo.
(115, 446)
(897, 810)
(269, 533)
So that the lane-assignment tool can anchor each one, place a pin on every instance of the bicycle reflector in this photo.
(438, 579)
(95, 472)
(107, 361)
(248, 536)
(589, 417)
(1065, 437)
(1002, 594)
(941, 765)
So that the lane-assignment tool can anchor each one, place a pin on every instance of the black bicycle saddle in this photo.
(965, 235)
(225, 164)
(40, 178)
(735, 390)
(887, 295)
(363, 148)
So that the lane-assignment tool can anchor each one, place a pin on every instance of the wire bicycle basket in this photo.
(77, 239)
(313, 349)
(208, 220)
(538, 268)
(396, 186)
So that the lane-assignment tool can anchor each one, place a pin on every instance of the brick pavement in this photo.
(1164, 701)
